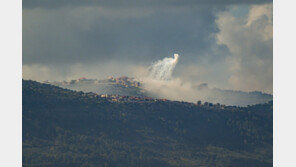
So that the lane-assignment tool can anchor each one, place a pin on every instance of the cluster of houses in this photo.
(125, 81)
(134, 99)
(129, 82)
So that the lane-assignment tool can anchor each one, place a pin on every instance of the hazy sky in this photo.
(226, 43)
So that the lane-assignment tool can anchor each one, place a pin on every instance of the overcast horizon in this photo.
(228, 45)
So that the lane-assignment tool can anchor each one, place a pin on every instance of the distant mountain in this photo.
(65, 128)
(232, 97)
(126, 86)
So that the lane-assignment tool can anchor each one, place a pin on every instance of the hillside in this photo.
(113, 86)
(126, 86)
(67, 128)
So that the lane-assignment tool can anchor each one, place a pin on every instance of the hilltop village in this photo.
(121, 89)
(128, 82)
(123, 81)
(135, 99)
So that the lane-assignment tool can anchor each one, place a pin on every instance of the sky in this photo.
(227, 43)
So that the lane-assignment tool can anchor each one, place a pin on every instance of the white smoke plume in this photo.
(158, 81)
(163, 69)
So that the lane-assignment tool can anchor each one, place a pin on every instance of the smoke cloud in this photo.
(158, 81)
(163, 69)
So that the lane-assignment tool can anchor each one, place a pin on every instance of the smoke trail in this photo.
(163, 69)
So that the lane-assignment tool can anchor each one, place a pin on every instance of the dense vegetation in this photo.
(66, 128)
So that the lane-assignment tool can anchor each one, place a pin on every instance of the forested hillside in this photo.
(64, 128)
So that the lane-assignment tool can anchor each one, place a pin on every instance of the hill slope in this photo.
(126, 86)
(67, 128)
(114, 86)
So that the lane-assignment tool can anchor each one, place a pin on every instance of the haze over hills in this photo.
(126, 86)
(113, 86)
(147, 121)
(64, 128)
